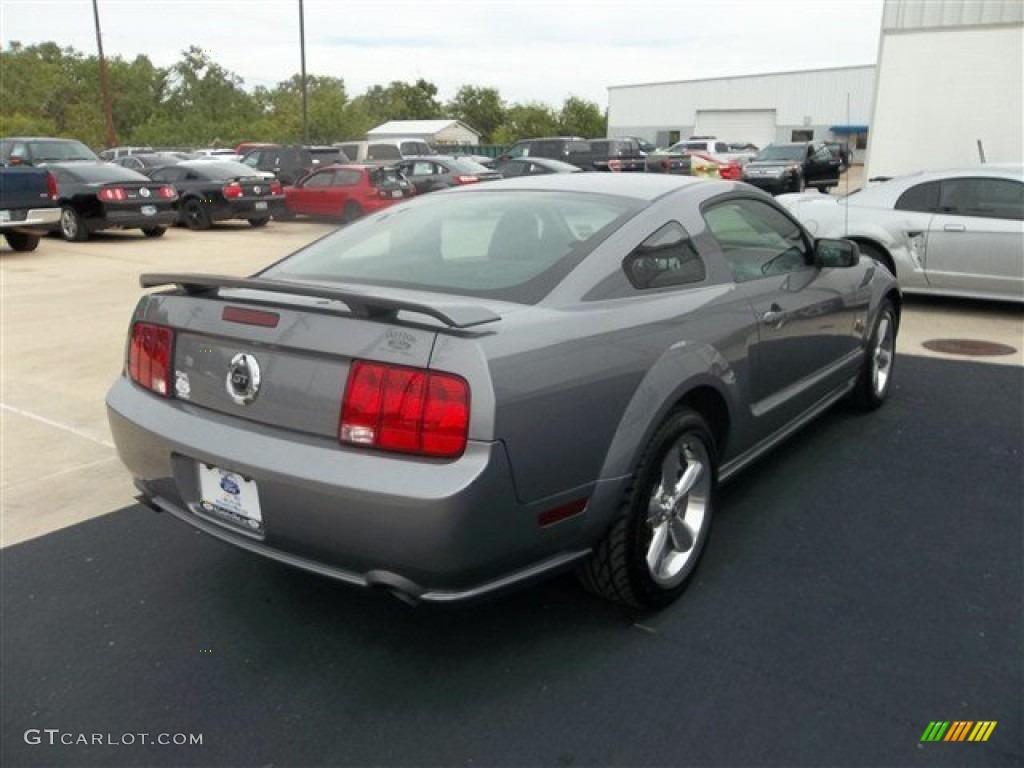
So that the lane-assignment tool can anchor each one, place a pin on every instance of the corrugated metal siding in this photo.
(818, 95)
(905, 15)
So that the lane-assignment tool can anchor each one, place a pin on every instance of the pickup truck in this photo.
(617, 155)
(714, 147)
(28, 205)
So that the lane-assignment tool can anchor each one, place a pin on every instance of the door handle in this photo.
(955, 228)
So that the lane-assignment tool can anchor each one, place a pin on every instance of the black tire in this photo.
(875, 378)
(262, 221)
(619, 569)
(353, 211)
(72, 228)
(154, 231)
(874, 252)
(195, 215)
(21, 241)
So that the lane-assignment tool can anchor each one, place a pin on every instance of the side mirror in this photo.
(835, 253)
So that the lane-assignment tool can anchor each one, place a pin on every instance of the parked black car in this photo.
(39, 150)
(532, 166)
(287, 163)
(211, 190)
(617, 155)
(97, 195)
(429, 174)
(793, 167)
(568, 149)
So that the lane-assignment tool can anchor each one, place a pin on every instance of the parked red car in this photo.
(347, 191)
(703, 164)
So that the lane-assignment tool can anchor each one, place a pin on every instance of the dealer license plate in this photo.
(261, 206)
(148, 210)
(396, 193)
(230, 496)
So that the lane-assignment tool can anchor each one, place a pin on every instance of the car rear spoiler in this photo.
(360, 304)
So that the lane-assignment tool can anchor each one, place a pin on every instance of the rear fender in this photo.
(682, 369)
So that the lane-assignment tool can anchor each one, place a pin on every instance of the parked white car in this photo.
(952, 233)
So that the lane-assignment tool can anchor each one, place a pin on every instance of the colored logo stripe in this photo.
(958, 730)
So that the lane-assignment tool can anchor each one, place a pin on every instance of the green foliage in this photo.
(581, 118)
(480, 108)
(52, 91)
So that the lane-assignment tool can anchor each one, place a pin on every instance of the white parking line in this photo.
(56, 424)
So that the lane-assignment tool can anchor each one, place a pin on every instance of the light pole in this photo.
(108, 115)
(302, 47)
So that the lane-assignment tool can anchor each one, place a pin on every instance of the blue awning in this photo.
(841, 129)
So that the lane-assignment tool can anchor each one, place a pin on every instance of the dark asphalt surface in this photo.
(864, 581)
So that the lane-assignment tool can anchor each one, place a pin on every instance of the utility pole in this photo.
(108, 114)
(302, 48)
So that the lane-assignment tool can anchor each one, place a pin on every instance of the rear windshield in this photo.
(512, 245)
(57, 151)
(102, 172)
(386, 178)
(222, 169)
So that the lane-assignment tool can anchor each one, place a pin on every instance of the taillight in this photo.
(275, 188)
(167, 193)
(51, 185)
(665, 164)
(408, 410)
(112, 194)
(149, 357)
(232, 190)
(466, 179)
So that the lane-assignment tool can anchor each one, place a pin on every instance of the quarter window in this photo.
(665, 258)
(923, 198)
(756, 239)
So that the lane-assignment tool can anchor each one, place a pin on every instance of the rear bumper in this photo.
(247, 209)
(34, 218)
(131, 220)
(428, 530)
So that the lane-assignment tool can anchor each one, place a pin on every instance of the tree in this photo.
(581, 118)
(480, 108)
(401, 101)
(525, 121)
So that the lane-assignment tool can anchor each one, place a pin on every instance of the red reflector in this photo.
(408, 410)
(250, 316)
(149, 357)
(552, 516)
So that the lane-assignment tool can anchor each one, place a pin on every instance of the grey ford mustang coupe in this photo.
(485, 385)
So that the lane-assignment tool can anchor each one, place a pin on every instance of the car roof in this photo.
(639, 186)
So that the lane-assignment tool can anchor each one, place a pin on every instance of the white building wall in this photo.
(943, 88)
(814, 98)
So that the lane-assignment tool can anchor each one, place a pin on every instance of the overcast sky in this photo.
(530, 50)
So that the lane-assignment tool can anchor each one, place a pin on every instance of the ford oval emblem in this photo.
(243, 379)
(229, 486)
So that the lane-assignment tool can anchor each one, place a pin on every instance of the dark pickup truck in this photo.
(617, 155)
(28, 205)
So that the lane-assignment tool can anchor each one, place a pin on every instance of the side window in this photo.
(161, 174)
(252, 159)
(720, 147)
(982, 198)
(519, 150)
(347, 178)
(422, 168)
(319, 180)
(923, 198)
(823, 155)
(383, 152)
(756, 239)
(665, 258)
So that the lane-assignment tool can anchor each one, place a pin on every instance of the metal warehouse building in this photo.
(950, 86)
(823, 104)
